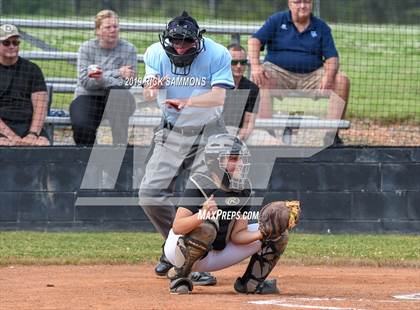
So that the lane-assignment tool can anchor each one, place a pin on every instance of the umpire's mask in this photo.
(182, 30)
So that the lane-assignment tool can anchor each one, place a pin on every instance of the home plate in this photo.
(408, 296)
(283, 303)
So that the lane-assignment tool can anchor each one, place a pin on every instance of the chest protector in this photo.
(232, 201)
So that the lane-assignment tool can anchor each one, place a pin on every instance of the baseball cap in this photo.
(7, 31)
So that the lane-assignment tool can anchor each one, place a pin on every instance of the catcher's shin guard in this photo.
(260, 266)
(193, 246)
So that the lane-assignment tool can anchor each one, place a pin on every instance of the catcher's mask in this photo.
(222, 148)
(182, 29)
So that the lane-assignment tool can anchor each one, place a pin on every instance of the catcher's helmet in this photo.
(218, 150)
(182, 29)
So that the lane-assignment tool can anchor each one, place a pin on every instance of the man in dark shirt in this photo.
(241, 104)
(301, 54)
(23, 94)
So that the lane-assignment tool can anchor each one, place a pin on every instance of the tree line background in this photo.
(339, 11)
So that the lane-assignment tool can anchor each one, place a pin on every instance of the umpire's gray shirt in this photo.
(110, 60)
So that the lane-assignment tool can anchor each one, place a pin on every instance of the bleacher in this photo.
(285, 123)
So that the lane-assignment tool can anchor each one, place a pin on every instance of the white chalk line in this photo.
(317, 298)
(415, 296)
(283, 303)
(286, 302)
(341, 299)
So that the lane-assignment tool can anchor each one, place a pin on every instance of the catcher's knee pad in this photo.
(260, 266)
(195, 245)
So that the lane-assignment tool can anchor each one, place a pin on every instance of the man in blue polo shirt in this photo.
(301, 54)
(188, 75)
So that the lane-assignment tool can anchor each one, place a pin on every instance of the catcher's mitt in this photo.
(276, 217)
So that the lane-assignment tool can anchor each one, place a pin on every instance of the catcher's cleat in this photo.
(192, 247)
(162, 266)
(259, 267)
(263, 288)
(180, 286)
(203, 279)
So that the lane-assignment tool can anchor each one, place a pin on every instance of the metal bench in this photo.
(234, 30)
(288, 123)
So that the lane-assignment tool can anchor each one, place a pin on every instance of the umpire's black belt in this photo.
(190, 131)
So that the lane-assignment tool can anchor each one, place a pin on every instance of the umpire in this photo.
(188, 75)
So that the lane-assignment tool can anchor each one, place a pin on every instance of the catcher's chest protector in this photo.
(226, 202)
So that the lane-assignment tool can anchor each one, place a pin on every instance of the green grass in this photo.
(380, 250)
(61, 100)
(77, 248)
(382, 62)
(118, 248)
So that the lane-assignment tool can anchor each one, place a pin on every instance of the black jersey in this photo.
(200, 187)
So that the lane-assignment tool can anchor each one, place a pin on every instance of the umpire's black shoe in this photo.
(203, 278)
(162, 266)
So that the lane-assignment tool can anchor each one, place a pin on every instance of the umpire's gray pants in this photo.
(172, 154)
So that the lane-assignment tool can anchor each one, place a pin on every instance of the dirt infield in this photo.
(136, 287)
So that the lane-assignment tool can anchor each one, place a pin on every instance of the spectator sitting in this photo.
(301, 54)
(23, 95)
(240, 108)
(104, 63)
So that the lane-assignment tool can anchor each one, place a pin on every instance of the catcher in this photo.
(211, 232)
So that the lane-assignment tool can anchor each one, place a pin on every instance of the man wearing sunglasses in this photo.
(301, 54)
(241, 104)
(188, 75)
(23, 95)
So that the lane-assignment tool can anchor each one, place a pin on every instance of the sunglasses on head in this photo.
(240, 61)
(10, 42)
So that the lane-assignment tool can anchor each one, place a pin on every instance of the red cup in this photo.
(94, 71)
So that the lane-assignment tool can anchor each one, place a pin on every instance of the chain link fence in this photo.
(378, 42)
